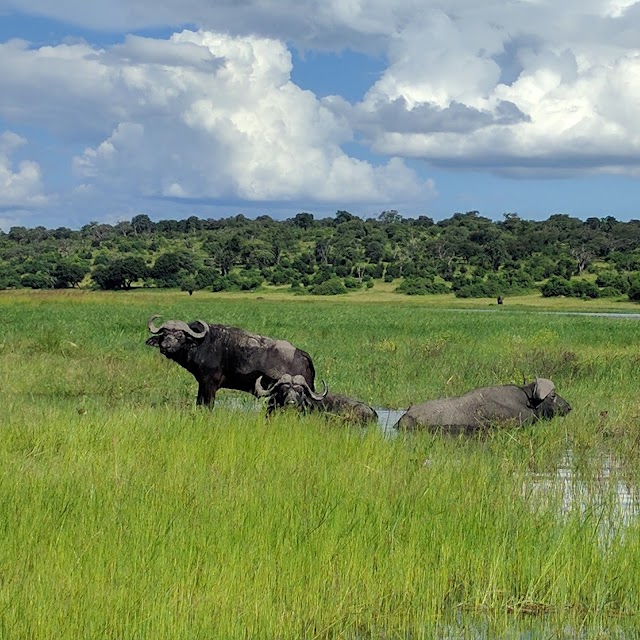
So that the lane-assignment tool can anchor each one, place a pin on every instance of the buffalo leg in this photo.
(206, 394)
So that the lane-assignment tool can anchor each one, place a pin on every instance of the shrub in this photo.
(613, 280)
(609, 292)
(37, 280)
(331, 287)
(584, 289)
(8, 278)
(421, 287)
(247, 280)
(634, 287)
(352, 283)
(556, 286)
(324, 273)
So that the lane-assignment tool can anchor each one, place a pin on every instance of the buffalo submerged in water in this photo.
(482, 407)
(294, 392)
(224, 357)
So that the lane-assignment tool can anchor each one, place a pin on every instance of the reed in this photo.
(126, 512)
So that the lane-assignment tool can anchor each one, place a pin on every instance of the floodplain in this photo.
(126, 512)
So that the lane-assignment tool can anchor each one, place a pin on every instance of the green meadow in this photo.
(125, 512)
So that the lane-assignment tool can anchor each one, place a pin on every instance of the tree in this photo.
(634, 288)
(69, 273)
(188, 283)
(303, 220)
(374, 251)
(390, 217)
(343, 216)
(37, 280)
(169, 268)
(141, 223)
(120, 273)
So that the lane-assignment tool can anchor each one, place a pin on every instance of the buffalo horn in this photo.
(198, 334)
(152, 327)
(177, 325)
(312, 394)
(261, 392)
(542, 388)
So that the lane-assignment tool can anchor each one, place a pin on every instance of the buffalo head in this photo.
(545, 402)
(289, 391)
(174, 335)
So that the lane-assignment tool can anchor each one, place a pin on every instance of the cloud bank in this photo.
(517, 88)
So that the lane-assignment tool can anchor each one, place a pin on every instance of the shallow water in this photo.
(599, 492)
(387, 418)
(594, 314)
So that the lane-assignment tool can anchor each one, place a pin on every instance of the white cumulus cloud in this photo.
(524, 88)
(236, 128)
(20, 187)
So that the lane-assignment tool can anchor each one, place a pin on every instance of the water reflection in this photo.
(601, 492)
(387, 418)
(471, 628)
(245, 402)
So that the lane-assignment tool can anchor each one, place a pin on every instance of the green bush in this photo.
(634, 287)
(613, 280)
(421, 287)
(247, 280)
(584, 289)
(37, 280)
(352, 283)
(556, 286)
(331, 287)
(559, 286)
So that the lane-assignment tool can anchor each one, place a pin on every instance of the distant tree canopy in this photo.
(467, 254)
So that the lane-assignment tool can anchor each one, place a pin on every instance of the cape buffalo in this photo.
(294, 392)
(481, 407)
(220, 356)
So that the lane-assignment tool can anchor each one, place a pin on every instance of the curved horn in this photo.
(152, 327)
(196, 334)
(179, 325)
(313, 394)
(260, 391)
(542, 388)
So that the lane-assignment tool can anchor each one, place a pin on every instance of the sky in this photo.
(273, 107)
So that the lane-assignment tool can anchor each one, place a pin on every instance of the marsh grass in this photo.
(127, 513)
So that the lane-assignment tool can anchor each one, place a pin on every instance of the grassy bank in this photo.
(127, 513)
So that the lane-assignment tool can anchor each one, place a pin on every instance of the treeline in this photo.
(467, 254)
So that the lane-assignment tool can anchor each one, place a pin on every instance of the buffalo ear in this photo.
(542, 388)
(154, 341)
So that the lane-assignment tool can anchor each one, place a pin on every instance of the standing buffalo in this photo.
(294, 392)
(481, 407)
(226, 357)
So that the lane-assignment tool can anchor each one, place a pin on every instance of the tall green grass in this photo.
(126, 512)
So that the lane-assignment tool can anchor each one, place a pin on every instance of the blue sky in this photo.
(108, 110)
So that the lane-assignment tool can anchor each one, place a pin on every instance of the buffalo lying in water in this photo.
(294, 392)
(481, 407)
(220, 356)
